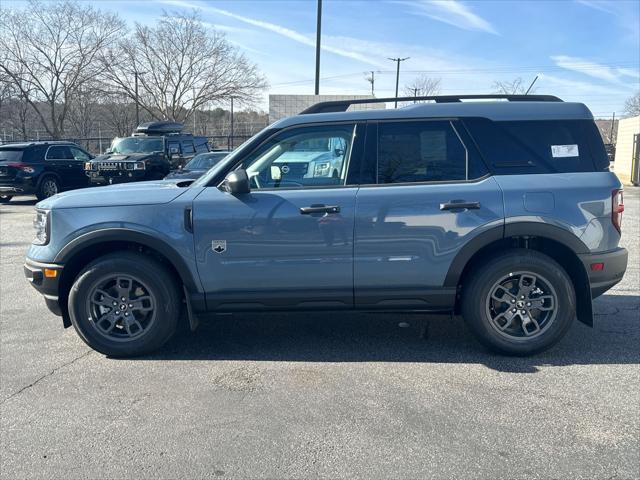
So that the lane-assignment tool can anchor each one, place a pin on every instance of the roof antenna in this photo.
(529, 89)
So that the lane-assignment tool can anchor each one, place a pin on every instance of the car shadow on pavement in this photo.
(376, 337)
(5, 207)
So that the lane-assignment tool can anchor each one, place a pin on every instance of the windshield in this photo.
(205, 161)
(137, 145)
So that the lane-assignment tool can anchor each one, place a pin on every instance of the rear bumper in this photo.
(614, 266)
(17, 188)
(45, 284)
(10, 191)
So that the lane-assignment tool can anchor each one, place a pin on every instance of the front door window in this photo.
(308, 157)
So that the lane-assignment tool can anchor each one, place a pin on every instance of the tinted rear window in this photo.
(540, 146)
(7, 155)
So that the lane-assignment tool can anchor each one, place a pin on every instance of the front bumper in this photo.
(41, 278)
(614, 264)
(110, 177)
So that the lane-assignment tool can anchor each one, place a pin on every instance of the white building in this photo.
(282, 106)
(627, 159)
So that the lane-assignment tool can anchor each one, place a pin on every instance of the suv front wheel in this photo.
(519, 303)
(124, 304)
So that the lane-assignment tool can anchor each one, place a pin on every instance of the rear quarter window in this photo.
(9, 155)
(536, 146)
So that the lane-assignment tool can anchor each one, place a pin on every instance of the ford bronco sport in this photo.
(503, 211)
(150, 153)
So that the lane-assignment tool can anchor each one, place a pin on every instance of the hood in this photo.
(121, 157)
(184, 174)
(124, 194)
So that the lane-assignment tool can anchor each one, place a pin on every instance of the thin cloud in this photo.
(594, 69)
(574, 87)
(279, 30)
(451, 12)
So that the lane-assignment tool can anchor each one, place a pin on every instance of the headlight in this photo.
(42, 227)
(87, 165)
(321, 169)
(139, 166)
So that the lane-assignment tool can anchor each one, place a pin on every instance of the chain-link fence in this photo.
(98, 145)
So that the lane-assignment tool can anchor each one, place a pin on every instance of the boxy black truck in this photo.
(150, 153)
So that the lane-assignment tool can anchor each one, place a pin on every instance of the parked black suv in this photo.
(150, 153)
(41, 169)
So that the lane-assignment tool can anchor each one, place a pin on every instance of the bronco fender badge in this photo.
(218, 246)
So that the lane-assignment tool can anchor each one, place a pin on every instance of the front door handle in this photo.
(319, 209)
(459, 205)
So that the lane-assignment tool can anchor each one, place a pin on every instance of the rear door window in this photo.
(59, 152)
(423, 151)
(187, 147)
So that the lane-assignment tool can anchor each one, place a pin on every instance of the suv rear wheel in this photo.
(519, 303)
(49, 186)
(124, 304)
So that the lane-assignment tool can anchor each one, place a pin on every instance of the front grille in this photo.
(298, 170)
(109, 166)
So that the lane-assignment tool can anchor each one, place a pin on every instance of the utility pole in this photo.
(231, 136)
(194, 110)
(372, 80)
(613, 121)
(135, 74)
(318, 25)
(99, 137)
(398, 60)
(415, 94)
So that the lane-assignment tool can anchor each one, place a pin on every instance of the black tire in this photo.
(159, 304)
(49, 186)
(5, 198)
(529, 330)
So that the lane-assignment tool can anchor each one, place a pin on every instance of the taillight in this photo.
(617, 207)
(22, 166)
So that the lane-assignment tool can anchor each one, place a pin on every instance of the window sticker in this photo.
(563, 151)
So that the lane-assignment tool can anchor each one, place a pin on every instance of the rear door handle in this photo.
(319, 209)
(459, 205)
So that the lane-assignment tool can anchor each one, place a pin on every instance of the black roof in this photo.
(159, 128)
(16, 145)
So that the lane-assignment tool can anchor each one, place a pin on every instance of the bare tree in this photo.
(632, 105)
(82, 110)
(423, 85)
(513, 87)
(50, 52)
(181, 67)
(118, 113)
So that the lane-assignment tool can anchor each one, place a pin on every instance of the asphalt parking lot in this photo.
(321, 395)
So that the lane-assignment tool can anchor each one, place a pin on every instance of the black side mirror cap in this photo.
(237, 182)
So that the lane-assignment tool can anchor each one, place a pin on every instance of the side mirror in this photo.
(237, 182)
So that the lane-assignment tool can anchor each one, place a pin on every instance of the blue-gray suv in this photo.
(502, 210)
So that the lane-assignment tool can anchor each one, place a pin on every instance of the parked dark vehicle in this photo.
(150, 153)
(41, 169)
(197, 166)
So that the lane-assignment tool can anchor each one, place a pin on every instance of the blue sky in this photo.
(583, 50)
